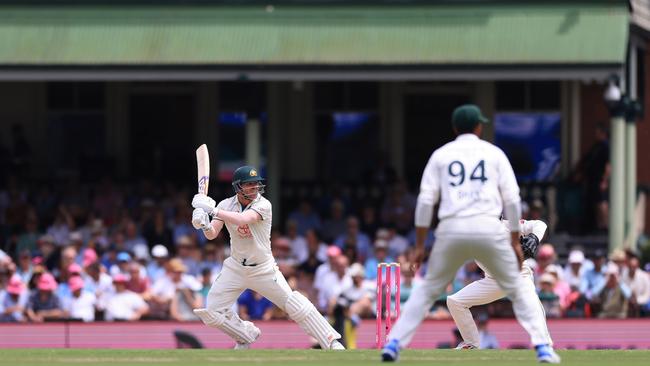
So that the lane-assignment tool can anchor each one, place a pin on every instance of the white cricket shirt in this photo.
(471, 177)
(251, 242)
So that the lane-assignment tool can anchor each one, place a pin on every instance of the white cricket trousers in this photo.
(485, 291)
(264, 278)
(457, 241)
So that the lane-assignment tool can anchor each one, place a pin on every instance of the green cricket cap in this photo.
(467, 116)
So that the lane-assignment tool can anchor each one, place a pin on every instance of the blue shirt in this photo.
(256, 308)
(593, 282)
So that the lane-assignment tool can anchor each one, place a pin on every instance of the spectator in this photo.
(212, 259)
(44, 304)
(560, 287)
(26, 241)
(380, 256)
(13, 301)
(638, 281)
(165, 289)
(575, 271)
(132, 238)
(335, 225)
(124, 305)
(63, 224)
(360, 295)
(156, 268)
(122, 265)
(613, 296)
(186, 295)
(326, 270)
(316, 246)
(253, 306)
(355, 239)
(25, 266)
(138, 283)
(281, 248)
(156, 231)
(369, 220)
(548, 297)
(81, 304)
(99, 283)
(187, 252)
(335, 283)
(397, 244)
(594, 279)
(545, 257)
(399, 208)
(618, 257)
(297, 242)
(305, 217)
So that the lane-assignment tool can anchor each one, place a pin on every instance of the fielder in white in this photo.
(247, 217)
(487, 290)
(474, 182)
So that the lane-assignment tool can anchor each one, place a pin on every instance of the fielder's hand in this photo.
(418, 258)
(203, 202)
(201, 220)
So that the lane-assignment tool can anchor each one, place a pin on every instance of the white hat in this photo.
(159, 251)
(576, 256)
(357, 269)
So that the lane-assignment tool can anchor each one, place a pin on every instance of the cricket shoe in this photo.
(545, 354)
(463, 345)
(337, 346)
(390, 353)
(254, 330)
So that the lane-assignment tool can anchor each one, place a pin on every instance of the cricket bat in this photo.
(203, 168)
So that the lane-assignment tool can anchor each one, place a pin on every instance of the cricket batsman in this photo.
(487, 290)
(247, 216)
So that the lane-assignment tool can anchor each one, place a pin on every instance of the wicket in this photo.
(381, 285)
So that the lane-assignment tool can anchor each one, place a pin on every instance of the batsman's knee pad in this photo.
(298, 306)
(227, 321)
(303, 312)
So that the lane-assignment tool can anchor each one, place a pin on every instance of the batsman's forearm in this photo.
(237, 218)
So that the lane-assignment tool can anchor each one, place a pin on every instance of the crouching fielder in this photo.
(247, 217)
(487, 290)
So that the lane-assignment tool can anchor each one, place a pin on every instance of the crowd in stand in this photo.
(119, 253)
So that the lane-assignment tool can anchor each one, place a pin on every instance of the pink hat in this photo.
(89, 257)
(74, 268)
(333, 251)
(546, 251)
(15, 286)
(120, 278)
(47, 282)
(75, 283)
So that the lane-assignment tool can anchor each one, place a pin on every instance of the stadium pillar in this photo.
(616, 103)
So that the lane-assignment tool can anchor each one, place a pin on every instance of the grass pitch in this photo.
(114, 357)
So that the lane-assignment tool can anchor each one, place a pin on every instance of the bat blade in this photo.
(203, 168)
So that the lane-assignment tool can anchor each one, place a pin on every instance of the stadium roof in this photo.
(573, 40)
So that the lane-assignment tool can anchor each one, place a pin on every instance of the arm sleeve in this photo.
(263, 208)
(429, 194)
(536, 227)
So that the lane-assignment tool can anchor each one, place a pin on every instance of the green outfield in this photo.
(47, 357)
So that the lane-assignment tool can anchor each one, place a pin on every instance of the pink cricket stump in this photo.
(388, 301)
(398, 285)
(379, 306)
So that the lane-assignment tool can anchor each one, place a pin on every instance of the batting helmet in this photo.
(246, 174)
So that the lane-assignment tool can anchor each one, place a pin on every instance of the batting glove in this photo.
(201, 220)
(203, 202)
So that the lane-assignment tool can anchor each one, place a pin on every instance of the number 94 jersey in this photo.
(470, 177)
